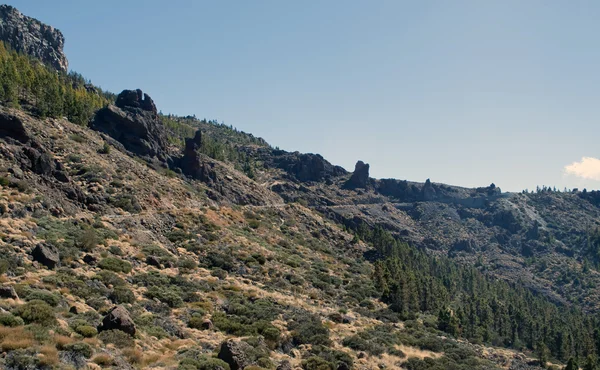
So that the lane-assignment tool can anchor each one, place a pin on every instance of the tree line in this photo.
(27, 83)
(475, 306)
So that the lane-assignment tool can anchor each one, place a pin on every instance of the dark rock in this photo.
(33, 38)
(134, 122)
(135, 99)
(361, 355)
(304, 167)
(12, 127)
(73, 310)
(360, 176)
(90, 260)
(234, 354)
(207, 325)
(347, 319)
(8, 292)
(153, 261)
(343, 366)
(118, 319)
(47, 255)
(40, 161)
(284, 365)
(428, 192)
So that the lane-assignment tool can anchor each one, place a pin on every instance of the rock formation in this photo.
(118, 319)
(234, 354)
(47, 255)
(134, 122)
(360, 176)
(32, 37)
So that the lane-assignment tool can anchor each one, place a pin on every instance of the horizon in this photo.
(466, 94)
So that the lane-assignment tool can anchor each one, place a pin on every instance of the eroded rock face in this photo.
(32, 37)
(234, 354)
(118, 319)
(360, 176)
(306, 167)
(133, 121)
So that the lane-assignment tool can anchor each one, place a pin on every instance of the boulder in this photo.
(12, 127)
(207, 325)
(284, 365)
(90, 260)
(303, 167)
(153, 261)
(118, 319)
(134, 122)
(8, 292)
(360, 176)
(234, 354)
(47, 255)
(428, 192)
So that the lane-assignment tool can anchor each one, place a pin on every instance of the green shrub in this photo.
(7, 319)
(86, 331)
(165, 295)
(115, 264)
(105, 149)
(43, 295)
(121, 294)
(117, 337)
(36, 311)
(79, 348)
(308, 329)
(203, 363)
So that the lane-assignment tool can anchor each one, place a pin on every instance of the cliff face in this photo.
(32, 37)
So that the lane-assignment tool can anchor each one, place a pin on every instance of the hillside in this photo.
(132, 239)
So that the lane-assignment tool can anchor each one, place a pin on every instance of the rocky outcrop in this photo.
(305, 167)
(284, 365)
(8, 292)
(234, 354)
(118, 319)
(191, 162)
(360, 176)
(133, 121)
(33, 38)
(47, 255)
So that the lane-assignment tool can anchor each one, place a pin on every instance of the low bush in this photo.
(117, 337)
(36, 311)
(115, 264)
(10, 320)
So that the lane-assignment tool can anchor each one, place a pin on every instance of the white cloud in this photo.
(587, 168)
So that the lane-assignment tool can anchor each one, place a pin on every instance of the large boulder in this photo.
(33, 38)
(118, 319)
(7, 291)
(360, 176)
(12, 127)
(134, 122)
(46, 254)
(234, 354)
(284, 365)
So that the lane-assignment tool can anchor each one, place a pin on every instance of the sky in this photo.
(461, 92)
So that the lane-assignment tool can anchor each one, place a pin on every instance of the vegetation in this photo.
(50, 94)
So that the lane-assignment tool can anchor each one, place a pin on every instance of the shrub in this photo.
(121, 294)
(7, 319)
(165, 295)
(308, 329)
(115, 264)
(42, 295)
(116, 337)
(80, 348)
(203, 363)
(86, 331)
(105, 149)
(36, 311)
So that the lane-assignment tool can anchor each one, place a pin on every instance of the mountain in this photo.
(33, 38)
(131, 239)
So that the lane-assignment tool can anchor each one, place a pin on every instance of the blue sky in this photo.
(462, 92)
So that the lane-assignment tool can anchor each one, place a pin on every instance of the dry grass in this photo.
(49, 356)
(61, 341)
(103, 359)
(15, 338)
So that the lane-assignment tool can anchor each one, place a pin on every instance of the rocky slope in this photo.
(145, 241)
(33, 38)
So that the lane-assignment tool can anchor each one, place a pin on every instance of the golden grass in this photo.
(15, 338)
(103, 359)
(49, 356)
(62, 340)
